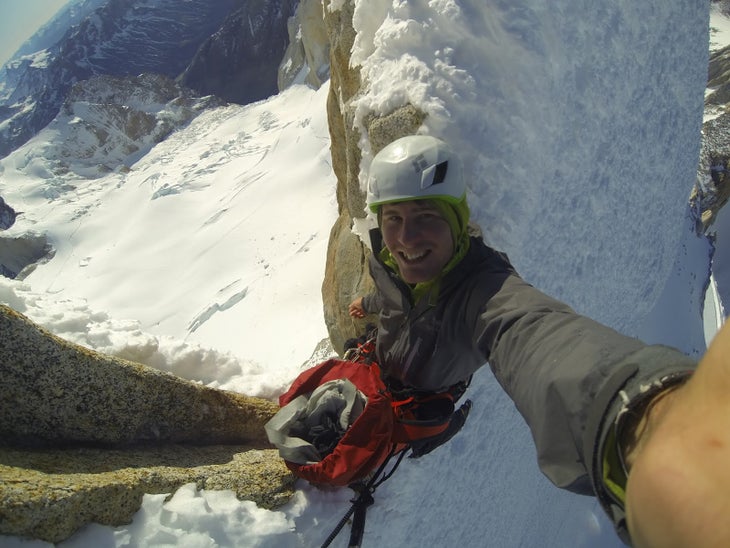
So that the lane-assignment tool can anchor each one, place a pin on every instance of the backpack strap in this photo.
(364, 499)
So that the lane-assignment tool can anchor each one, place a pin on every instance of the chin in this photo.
(412, 274)
(415, 278)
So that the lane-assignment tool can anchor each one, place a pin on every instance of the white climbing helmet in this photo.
(412, 168)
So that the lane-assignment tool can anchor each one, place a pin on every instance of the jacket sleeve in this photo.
(572, 379)
(371, 303)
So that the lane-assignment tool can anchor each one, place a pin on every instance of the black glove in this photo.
(426, 445)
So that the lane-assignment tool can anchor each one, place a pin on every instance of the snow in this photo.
(719, 26)
(39, 59)
(579, 124)
(720, 283)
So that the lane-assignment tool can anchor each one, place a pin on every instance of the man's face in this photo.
(418, 237)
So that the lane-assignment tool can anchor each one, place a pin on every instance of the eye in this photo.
(429, 217)
(391, 217)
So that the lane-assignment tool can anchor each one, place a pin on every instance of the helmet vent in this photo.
(440, 174)
(434, 175)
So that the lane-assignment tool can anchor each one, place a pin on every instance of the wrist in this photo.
(640, 422)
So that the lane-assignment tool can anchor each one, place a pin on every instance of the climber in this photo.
(632, 424)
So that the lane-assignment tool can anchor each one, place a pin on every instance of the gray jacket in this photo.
(571, 378)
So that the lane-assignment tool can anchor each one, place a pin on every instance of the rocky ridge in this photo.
(84, 436)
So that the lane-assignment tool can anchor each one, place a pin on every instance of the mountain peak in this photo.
(221, 48)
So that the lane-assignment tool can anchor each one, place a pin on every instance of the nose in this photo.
(409, 232)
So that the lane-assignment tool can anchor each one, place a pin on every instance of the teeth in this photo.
(409, 257)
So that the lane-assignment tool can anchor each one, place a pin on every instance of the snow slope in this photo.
(580, 125)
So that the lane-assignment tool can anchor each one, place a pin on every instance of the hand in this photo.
(356, 310)
(678, 491)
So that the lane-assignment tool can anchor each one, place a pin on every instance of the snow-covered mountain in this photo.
(45, 38)
(240, 61)
(214, 43)
(73, 13)
(204, 253)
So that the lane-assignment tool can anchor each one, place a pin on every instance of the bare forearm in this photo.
(678, 491)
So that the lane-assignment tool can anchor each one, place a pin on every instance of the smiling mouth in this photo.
(413, 258)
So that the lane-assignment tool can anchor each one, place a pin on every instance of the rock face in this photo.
(7, 215)
(346, 272)
(239, 62)
(57, 392)
(307, 58)
(718, 77)
(83, 436)
(712, 190)
(20, 255)
(49, 494)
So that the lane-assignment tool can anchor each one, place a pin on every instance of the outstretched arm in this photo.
(678, 491)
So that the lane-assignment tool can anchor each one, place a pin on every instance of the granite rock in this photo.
(83, 436)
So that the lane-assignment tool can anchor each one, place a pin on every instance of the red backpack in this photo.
(385, 426)
(340, 425)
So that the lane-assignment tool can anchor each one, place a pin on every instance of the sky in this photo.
(204, 255)
(20, 19)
